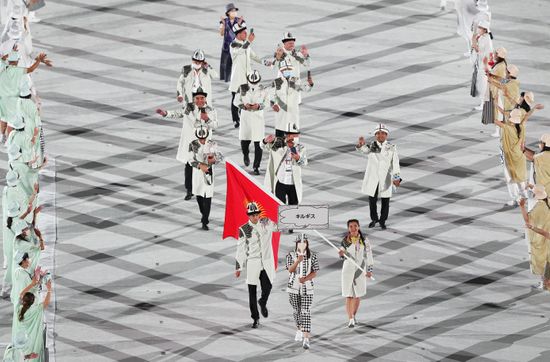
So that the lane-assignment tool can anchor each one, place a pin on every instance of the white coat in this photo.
(252, 126)
(485, 46)
(286, 94)
(191, 118)
(190, 79)
(261, 232)
(276, 158)
(296, 58)
(241, 55)
(466, 10)
(382, 168)
(354, 280)
(203, 184)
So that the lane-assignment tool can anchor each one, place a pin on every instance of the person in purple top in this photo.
(226, 30)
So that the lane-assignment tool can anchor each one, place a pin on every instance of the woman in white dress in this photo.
(483, 48)
(355, 248)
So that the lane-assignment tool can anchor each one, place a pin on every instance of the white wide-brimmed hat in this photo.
(502, 52)
(545, 138)
(515, 116)
(13, 209)
(529, 98)
(513, 70)
(484, 24)
(540, 192)
(12, 178)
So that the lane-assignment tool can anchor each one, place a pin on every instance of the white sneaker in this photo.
(539, 286)
(351, 323)
(511, 203)
(355, 321)
(5, 265)
(495, 134)
(305, 344)
(298, 337)
(479, 108)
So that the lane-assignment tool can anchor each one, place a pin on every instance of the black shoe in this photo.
(246, 160)
(237, 124)
(205, 227)
(383, 225)
(373, 224)
(256, 171)
(256, 323)
(263, 308)
(291, 231)
(188, 196)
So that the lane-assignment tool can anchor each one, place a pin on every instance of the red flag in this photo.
(242, 189)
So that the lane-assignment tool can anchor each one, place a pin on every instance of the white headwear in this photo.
(16, 122)
(484, 24)
(513, 70)
(20, 255)
(13, 209)
(288, 36)
(198, 55)
(13, 56)
(540, 192)
(14, 152)
(529, 97)
(12, 178)
(545, 138)
(238, 27)
(18, 226)
(381, 128)
(482, 5)
(254, 77)
(515, 116)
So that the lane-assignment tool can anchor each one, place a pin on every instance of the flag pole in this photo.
(335, 247)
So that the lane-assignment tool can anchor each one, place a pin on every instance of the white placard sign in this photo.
(303, 217)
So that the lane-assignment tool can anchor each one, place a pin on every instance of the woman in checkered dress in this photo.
(303, 265)
(354, 281)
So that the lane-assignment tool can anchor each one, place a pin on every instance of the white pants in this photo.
(516, 190)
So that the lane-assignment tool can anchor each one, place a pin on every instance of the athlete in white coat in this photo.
(283, 175)
(241, 56)
(198, 74)
(203, 154)
(382, 173)
(285, 98)
(193, 115)
(255, 254)
(251, 99)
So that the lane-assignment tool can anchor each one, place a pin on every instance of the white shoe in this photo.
(443, 4)
(305, 344)
(5, 265)
(467, 54)
(298, 337)
(32, 18)
(355, 321)
(479, 108)
(511, 203)
(495, 134)
(539, 286)
(351, 323)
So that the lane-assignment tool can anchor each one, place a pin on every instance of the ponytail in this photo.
(518, 130)
(28, 300)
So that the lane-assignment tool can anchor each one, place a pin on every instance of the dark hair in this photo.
(518, 129)
(9, 221)
(308, 252)
(545, 148)
(361, 237)
(490, 34)
(28, 300)
(546, 202)
(25, 257)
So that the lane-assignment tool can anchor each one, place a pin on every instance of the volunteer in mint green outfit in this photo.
(30, 320)
(14, 351)
(24, 280)
(33, 124)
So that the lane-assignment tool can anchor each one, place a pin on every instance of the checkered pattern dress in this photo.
(301, 295)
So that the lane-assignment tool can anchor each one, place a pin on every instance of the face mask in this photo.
(287, 73)
(302, 248)
(196, 66)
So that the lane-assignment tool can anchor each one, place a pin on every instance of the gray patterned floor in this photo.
(137, 280)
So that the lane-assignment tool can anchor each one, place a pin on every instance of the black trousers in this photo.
(204, 207)
(225, 66)
(283, 191)
(279, 133)
(252, 294)
(235, 110)
(188, 178)
(257, 152)
(373, 208)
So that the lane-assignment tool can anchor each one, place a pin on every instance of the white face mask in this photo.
(301, 248)
(287, 73)
(196, 66)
